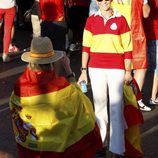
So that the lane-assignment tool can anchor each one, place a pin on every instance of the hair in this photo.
(40, 67)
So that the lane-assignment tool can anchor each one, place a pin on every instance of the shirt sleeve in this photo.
(87, 37)
(126, 38)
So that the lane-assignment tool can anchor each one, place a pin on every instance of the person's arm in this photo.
(146, 9)
(126, 40)
(128, 74)
(86, 46)
(83, 76)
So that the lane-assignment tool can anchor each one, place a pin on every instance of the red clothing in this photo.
(52, 10)
(41, 82)
(108, 44)
(138, 36)
(151, 23)
(8, 15)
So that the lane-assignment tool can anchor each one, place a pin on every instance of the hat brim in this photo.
(26, 58)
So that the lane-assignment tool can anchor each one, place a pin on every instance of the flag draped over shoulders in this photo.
(52, 118)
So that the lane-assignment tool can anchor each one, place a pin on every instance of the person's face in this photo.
(104, 4)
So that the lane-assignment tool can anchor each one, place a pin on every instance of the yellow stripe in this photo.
(133, 136)
(129, 96)
(127, 41)
(60, 120)
(87, 38)
(107, 42)
(42, 55)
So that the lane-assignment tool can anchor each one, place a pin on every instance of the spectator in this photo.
(77, 15)
(53, 22)
(8, 12)
(35, 19)
(150, 26)
(54, 26)
(134, 10)
(51, 117)
(23, 6)
(107, 53)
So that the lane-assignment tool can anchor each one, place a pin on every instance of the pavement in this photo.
(9, 72)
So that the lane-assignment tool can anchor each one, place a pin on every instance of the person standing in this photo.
(150, 26)
(77, 15)
(53, 22)
(8, 12)
(107, 54)
(54, 26)
(35, 19)
(134, 11)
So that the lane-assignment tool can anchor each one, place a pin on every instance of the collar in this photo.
(115, 14)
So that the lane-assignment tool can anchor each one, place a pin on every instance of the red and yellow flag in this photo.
(134, 118)
(52, 118)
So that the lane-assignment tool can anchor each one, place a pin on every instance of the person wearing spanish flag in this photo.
(51, 117)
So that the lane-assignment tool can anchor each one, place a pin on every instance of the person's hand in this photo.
(83, 77)
(128, 77)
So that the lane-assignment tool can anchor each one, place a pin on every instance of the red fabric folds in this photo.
(131, 150)
(138, 36)
(39, 83)
(135, 119)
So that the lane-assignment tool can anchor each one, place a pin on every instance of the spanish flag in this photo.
(134, 119)
(52, 118)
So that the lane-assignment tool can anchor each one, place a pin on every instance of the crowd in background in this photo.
(79, 25)
(75, 13)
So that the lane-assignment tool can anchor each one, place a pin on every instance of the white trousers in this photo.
(106, 82)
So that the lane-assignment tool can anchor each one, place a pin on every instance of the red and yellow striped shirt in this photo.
(108, 42)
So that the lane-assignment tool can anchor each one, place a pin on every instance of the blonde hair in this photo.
(40, 67)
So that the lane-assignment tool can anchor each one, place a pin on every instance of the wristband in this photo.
(83, 68)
